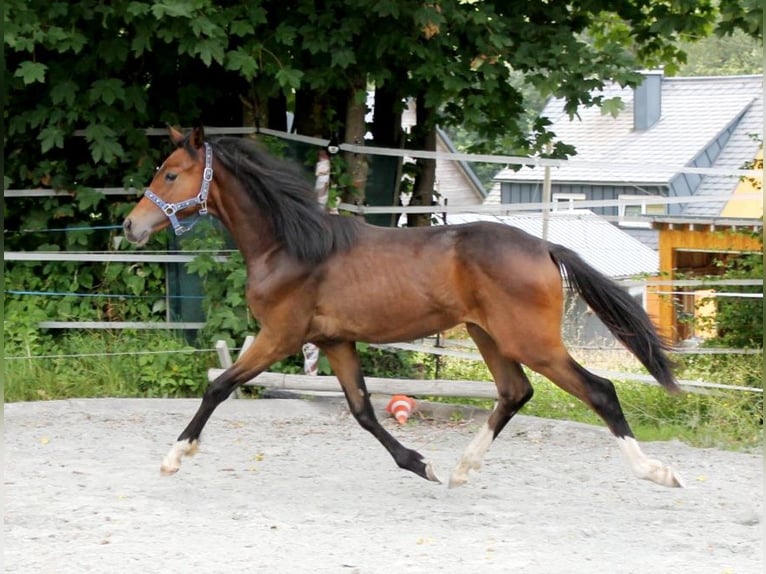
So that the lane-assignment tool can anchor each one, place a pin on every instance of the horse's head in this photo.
(179, 189)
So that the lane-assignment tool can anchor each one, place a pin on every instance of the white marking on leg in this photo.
(472, 457)
(172, 461)
(647, 468)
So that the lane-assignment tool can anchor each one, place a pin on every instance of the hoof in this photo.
(456, 481)
(647, 468)
(168, 470)
(431, 473)
(172, 461)
(663, 475)
(460, 474)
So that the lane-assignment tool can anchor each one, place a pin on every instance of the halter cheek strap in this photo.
(170, 209)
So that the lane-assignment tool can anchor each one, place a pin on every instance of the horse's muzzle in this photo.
(130, 233)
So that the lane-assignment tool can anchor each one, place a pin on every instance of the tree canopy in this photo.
(85, 79)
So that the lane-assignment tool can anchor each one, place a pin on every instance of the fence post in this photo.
(224, 358)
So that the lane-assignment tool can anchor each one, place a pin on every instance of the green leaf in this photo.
(204, 27)
(386, 8)
(135, 97)
(50, 137)
(138, 8)
(289, 78)
(257, 14)
(55, 36)
(108, 91)
(285, 34)
(241, 28)
(342, 58)
(112, 272)
(612, 106)
(87, 198)
(201, 265)
(141, 43)
(103, 143)
(64, 92)
(135, 283)
(209, 50)
(173, 9)
(31, 72)
(243, 62)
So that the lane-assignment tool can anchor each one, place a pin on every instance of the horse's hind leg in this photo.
(345, 364)
(513, 390)
(600, 395)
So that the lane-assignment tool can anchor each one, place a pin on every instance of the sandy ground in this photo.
(296, 486)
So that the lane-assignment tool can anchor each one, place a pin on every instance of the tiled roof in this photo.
(603, 245)
(740, 148)
(694, 112)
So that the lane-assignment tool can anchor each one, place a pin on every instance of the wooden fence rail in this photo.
(421, 387)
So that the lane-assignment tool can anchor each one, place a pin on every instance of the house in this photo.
(667, 124)
(456, 182)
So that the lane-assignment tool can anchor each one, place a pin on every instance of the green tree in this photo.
(84, 79)
(728, 55)
(110, 69)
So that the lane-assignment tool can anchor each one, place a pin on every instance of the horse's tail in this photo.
(625, 318)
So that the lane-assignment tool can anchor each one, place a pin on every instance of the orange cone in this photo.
(401, 407)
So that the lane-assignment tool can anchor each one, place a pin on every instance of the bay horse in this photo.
(334, 280)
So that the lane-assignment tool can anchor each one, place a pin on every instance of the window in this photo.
(635, 206)
(565, 201)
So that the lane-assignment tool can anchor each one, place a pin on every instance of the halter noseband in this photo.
(170, 209)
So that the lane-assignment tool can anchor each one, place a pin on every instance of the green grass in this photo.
(723, 419)
(105, 364)
(116, 364)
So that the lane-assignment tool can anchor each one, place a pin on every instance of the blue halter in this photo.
(170, 209)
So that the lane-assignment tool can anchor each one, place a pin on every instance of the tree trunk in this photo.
(387, 119)
(308, 113)
(265, 110)
(356, 108)
(423, 188)
(320, 113)
(277, 112)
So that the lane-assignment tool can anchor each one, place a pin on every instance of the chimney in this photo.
(647, 100)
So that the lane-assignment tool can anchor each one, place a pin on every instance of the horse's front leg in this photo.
(345, 364)
(257, 358)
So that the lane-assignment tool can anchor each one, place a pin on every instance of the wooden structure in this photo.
(689, 248)
(311, 384)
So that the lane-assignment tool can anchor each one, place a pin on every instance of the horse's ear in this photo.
(197, 137)
(176, 136)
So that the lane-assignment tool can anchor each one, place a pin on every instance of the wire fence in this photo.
(186, 256)
(419, 347)
(114, 354)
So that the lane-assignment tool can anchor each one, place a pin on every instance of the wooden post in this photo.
(225, 360)
(546, 194)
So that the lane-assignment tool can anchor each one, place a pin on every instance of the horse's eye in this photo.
(170, 176)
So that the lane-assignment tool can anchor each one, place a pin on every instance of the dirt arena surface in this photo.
(284, 486)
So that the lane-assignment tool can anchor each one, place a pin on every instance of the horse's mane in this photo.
(286, 199)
